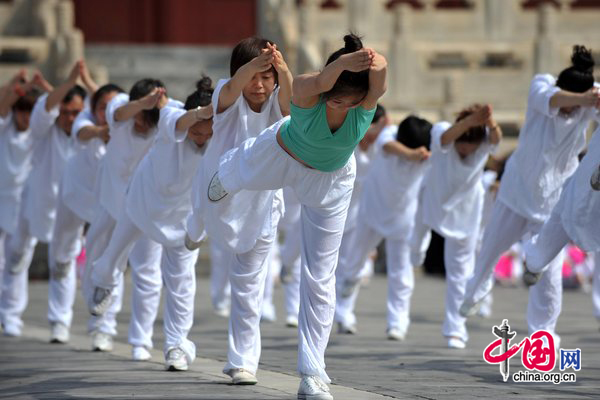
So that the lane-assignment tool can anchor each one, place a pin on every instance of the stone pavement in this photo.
(363, 366)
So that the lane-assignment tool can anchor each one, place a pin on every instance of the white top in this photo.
(53, 147)
(546, 155)
(579, 205)
(391, 190)
(79, 179)
(124, 151)
(16, 149)
(237, 220)
(363, 165)
(158, 198)
(452, 191)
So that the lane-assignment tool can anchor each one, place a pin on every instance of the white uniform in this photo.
(546, 156)
(243, 223)
(53, 147)
(16, 148)
(290, 252)
(124, 151)
(388, 206)
(220, 289)
(452, 203)
(260, 164)
(157, 204)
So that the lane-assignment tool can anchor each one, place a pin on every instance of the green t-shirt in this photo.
(307, 135)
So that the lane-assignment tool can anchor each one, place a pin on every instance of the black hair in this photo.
(105, 89)
(414, 132)
(348, 82)
(26, 102)
(142, 88)
(475, 134)
(74, 91)
(202, 96)
(379, 113)
(579, 77)
(246, 50)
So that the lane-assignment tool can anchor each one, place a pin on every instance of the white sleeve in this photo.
(387, 134)
(437, 131)
(168, 122)
(542, 89)
(84, 118)
(118, 101)
(5, 121)
(41, 120)
(276, 106)
(215, 102)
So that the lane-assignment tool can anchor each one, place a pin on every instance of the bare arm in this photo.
(56, 95)
(495, 132)
(308, 87)
(91, 131)
(285, 80)
(397, 148)
(478, 118)
(88, 82)
(570, 99)
(151, 100)
(377, 81)
(187, 120)
(39, 81)
(233, 89)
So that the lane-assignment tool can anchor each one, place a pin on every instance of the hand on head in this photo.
(278, 62)
(420, 154)
(357, 61)
(205, 112)
(592, 97)
(264, 61)
(481, 115)
(156, 98)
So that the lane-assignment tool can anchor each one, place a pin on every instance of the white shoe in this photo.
(531, 278)
(215, 189)
(101, 301)
(240, 376)
(346, 329)
(101, 341)
(456, 343)
(140, 353)
(59, 333)
(61, 270)
(468, 308)
(313, 388)
(291, 321)
(11, 330)
(349, 286)
(595, 179)
(190, 244)
(176, 360)
(222, 312)
(396, 334)
(268, 313)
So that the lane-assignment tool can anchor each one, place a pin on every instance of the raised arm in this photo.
(285, 80)
(56, 95)
(308, 87)
(187, 120)
(478, 118)
(397, 148)
(10, 92)
(233, 89)
(87, 80)
(91, 131)
(377, 80)
(495, 132)
(41, 82)
(155, 98)
(563, 98)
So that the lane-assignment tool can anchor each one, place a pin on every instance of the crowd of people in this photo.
(141, 179)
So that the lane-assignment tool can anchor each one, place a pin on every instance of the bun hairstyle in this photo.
(414, 132)
(579, 77)
(142, 88)
(103, 90)
(348, 82)
(245, 51)
(202, 96)
(475, 134)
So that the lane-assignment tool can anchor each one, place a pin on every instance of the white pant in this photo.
(66, 245)
(400, 275)
(503, 230)
(542, 248)
(289, 252)
(261, 164)
(2, 258)
(269, 311)
(596, 287)
(220, 290)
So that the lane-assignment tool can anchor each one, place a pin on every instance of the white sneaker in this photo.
(396, 334)
(240, 376)
(222, 312)
(291, 321)
(101, 341)
(595, 179)
(101, 300)
(59, 333)
(11, 330)
(140, 353)
(313, 388)
(530, 278)
(346, 329)
(215, 189)
(61, 270)
(349, 286)
(456, 343)
(190, 244)
(176, 360)
(268, 313)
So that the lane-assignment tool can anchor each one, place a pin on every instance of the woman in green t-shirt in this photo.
(312, 152)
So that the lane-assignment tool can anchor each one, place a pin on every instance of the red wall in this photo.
(219, 22)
